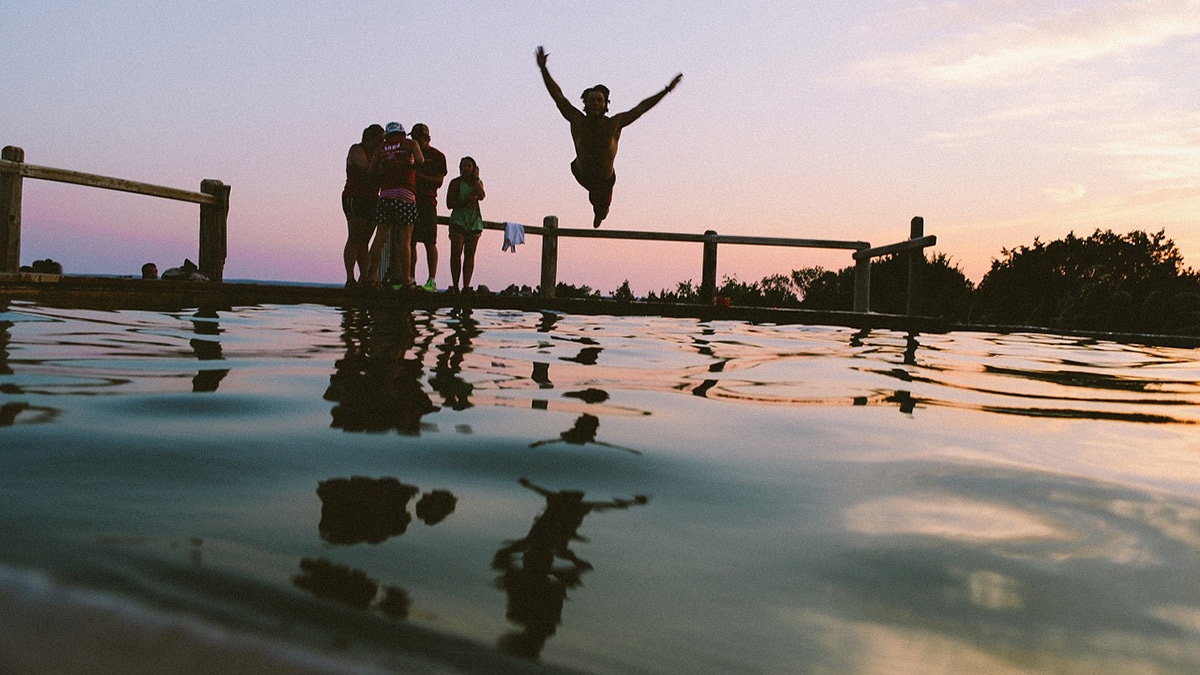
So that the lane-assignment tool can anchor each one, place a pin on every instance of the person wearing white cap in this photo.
(396, 171)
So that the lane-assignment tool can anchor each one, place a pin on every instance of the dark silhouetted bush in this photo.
(1134, 282)
(942, 289)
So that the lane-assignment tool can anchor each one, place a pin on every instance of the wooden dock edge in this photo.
(109, 293)
(69, 291)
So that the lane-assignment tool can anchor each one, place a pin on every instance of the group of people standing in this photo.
(392, 183)
(390, 202)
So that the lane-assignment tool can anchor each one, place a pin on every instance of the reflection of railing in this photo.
(863, 253)
(213, 199)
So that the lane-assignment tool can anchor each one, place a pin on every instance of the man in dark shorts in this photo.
(596, 135)
(429, 178)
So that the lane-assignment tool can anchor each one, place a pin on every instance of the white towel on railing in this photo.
(514, 233)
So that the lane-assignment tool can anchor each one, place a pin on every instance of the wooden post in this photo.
(10, 212)
(213, 219)
(916, 230)
(549, 256)
(862, 284)
(708, 274)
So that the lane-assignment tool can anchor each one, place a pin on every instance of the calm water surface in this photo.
(308, 489)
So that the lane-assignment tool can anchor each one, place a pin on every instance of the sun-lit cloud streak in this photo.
(1159, 148)
(1069, 116)
(1021, 114)
(1009, 52)
(1162, 153)
(1065, 193)
(1150, 211)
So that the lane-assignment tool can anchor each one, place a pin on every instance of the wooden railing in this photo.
(213, 199)
(863, 253)
(917, 240)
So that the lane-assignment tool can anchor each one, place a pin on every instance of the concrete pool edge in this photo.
(148, 294)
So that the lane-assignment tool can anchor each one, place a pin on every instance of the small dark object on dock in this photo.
(46, 266)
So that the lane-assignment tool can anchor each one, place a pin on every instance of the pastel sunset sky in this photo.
(998, 121)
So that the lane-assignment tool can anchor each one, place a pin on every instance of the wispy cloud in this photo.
(1051, 117)
(1065, 194)
(1095, 84)
(1166, 155)
(1087, 110)
(1031, 111)
(1004, 50)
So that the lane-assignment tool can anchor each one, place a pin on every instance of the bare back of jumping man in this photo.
(596, 135)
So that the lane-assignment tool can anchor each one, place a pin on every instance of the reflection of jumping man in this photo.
(536, 588)
(596, 135)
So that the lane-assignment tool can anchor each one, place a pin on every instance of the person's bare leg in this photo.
(382, 232)
(364, 254)
(468, 270)
(398, 255)
(600, 196)
(358, 246)
(599, 191)
(403, 264)
(456, 253)
(350, 253)
(431, 259)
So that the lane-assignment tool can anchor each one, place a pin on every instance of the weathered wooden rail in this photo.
(213, 199)
(863, 253)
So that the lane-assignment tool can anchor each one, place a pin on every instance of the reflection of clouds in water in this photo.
(1082, 532)
(1009, 570)
(1186, 618)
(950, 517)
(870, 647)
(880, 648)
(995, 591)
(1175, 521)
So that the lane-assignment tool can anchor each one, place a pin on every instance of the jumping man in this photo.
(596, 135)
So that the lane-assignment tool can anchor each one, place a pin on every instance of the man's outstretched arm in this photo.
(564, 106)
(640, 109)
(525, 482)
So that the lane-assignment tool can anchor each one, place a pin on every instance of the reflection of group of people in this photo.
(366, 510)
(376, 385)
(391, 195)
